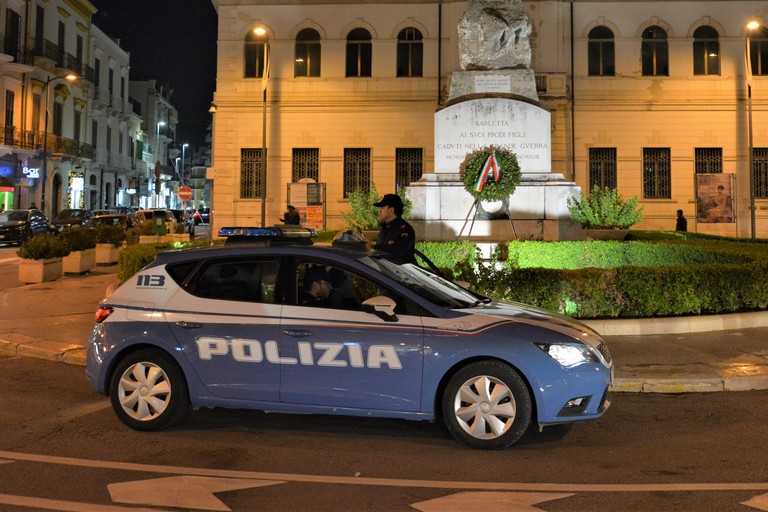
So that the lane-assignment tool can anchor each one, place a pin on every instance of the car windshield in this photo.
(13, 216)
(430, 286)
(69, 214)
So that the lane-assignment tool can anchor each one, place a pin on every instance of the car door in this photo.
(228, 325)
(335, 354)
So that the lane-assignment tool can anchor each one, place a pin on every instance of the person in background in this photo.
(291, 216)
(682, 222)
(396, 236)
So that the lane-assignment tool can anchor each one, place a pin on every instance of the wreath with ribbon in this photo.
(490, 174)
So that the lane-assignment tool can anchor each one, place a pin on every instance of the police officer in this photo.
(396, 235)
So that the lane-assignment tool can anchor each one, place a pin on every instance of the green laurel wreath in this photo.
(473, 164)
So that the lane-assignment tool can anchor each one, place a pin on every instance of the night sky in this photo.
(173, 41)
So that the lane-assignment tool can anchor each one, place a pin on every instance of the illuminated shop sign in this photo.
(31, 172)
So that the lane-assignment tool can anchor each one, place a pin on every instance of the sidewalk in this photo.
(673, 355)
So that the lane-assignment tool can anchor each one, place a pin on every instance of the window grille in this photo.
(357, 170)
(760, 175)
(602, 167)
(657, 180)
(708, 160)
(408, 166)
(250, 175)
(305, 164)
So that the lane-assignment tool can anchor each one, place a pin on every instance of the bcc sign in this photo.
(185, 193)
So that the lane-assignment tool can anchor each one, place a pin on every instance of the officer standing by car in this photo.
(396, 236)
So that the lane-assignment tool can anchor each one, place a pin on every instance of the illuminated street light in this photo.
(44, 175)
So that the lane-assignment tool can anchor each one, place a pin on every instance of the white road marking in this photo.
(65, 506)
(488, 502)
(758, 502)
(181, 491)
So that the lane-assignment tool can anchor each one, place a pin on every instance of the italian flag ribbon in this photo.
(490, 165)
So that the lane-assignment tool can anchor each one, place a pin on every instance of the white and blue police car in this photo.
(302, 328)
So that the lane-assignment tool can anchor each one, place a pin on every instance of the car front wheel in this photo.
(148, 391)
(487, 405)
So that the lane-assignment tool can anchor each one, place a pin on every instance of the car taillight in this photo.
(102, 313)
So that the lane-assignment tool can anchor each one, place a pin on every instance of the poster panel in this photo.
(714, 198)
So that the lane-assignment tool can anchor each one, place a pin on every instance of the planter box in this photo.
(148, 239)
(106, 254)
(183, 237)
(79, 262)
(40, 271)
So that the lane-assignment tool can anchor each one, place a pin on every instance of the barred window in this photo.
(250, 173)
(655, 52)
(760, 168)
(410, 52)
(600, 52)
(708, 160)
(305, 164)
(602, 167)
(357, 170)
(758, 51)
(359, 53)
(307, 58)
(706, 51)
(409, 165)
(657, 179)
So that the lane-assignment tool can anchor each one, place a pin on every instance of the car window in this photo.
(237, 280)
(320, 285)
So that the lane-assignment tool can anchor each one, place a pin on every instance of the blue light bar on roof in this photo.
(251, 232)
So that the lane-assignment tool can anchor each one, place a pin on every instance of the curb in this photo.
(49, 350)
(678, 325)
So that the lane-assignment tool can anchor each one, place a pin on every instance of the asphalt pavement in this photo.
(54, 320)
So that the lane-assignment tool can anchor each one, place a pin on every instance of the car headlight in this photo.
(569, 354)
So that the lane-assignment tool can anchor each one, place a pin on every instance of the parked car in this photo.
(71, 217)
(113, 219)
(300, 328)
(16, 226)
(167, 215)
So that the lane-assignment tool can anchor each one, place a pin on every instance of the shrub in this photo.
(43, 247)
(79, 239)
(604, 208)
(363, 215)
(109, 234)
(132, 259)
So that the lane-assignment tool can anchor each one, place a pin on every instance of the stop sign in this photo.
(185, 193)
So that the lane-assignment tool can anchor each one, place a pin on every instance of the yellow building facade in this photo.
(644, 96)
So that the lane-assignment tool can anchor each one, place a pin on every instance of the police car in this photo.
(237, 326)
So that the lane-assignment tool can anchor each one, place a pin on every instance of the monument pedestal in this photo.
(498, 108)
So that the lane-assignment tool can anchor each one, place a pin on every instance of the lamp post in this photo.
(183, 157)
(752, 25)
(157, 159)
(44, 175)
(261, 32)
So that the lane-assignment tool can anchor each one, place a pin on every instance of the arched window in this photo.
(307, 58)
(410, 53)
(758, 51)
(706, 51)
(255, 54)
(600, 52)
(655, 52)
(359, 53)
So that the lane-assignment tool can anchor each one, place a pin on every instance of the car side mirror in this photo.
(381, 306)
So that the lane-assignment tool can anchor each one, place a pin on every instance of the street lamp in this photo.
(157, 161)
(262, 33)
(44, 175)
(752, 25)
(183, 156)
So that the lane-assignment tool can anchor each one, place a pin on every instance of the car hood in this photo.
(537, 316)
(12, 224)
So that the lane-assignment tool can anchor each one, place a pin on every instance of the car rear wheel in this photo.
(148, 391)
(487, 405)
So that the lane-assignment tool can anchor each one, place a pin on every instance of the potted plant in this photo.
(364, 217)
(82, 246)
(41, 258)
(109, 239)
(604, 214)
(147, 232)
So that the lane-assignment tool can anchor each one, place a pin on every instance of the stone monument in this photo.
(493, 101)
